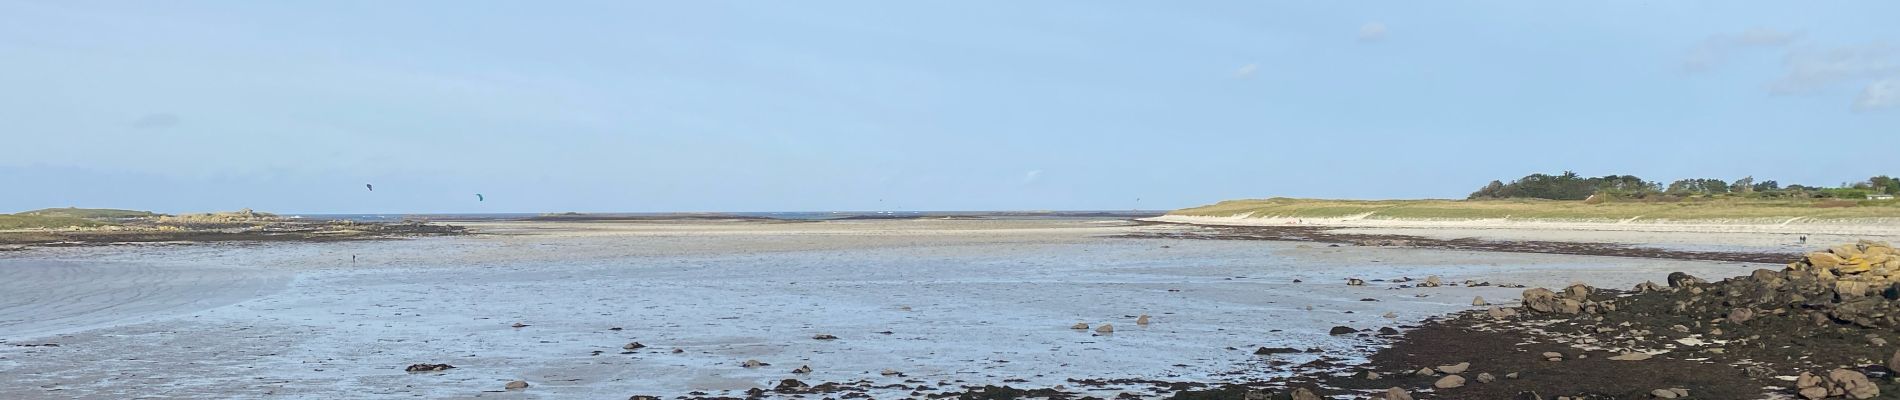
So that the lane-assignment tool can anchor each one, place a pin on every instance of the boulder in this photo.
(1397, 393)
(1080, 326)
(516, 385)
(1740, 315)
(1568, 306)
(1680, 279)
(1672, 393)
(1454, 369)
(1341, 330)
(791, 385)
(1432, 281)
(634, 346)
(1636, 356)
(1485, 377)
(1479, 301)
(1142, 320)
(1304, 394)
(1501, 313)
(1647, 287)
(753, 364)
(1578, 292)
(1540, 300)
(1810, 386)
(1853, 383)
(803, 369)
(824, 336)
(1105, 328)
(1449, 381)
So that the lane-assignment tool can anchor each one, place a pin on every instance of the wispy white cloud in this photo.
(1717, 49)
(1372, 32)
(1881, 94)
(1032, 176)
(1810, 69)
(1246, 71)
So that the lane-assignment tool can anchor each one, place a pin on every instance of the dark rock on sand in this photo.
(791, 386)
(1341, 330)
(428, 367)
(1274, 350)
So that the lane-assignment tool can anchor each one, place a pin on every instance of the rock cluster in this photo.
(1573, 300)
(1839, 383)
(1866, 259)
(1854, 283)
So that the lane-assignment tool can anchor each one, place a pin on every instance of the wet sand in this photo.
(965, 302)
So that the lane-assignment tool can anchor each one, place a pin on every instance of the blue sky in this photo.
(875, 105)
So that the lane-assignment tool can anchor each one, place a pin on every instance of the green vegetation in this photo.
(89, 213)
(58, 218)
(1690, 209)
(1570, 186)
(8, 221)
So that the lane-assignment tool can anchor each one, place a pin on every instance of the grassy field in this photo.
(8, 221)
(1695, 209)
(96, 213)
(55, 218)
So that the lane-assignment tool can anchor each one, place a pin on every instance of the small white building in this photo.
(1880, 197)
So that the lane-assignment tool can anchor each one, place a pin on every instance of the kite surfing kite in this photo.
(478, 197)
(372, 188)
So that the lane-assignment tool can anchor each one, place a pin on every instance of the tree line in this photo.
(1570, 186)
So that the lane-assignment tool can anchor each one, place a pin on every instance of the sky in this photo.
(626, 106)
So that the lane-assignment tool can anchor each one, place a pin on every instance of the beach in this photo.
(939, 304)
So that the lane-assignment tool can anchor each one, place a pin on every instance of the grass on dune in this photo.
(1693, 209)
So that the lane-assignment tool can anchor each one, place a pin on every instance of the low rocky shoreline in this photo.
(1819, 329)
(276, 231)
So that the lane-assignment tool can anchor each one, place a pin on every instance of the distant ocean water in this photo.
(784, 215)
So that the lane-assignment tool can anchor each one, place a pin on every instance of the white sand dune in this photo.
(1763, 235)
(988, 301)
